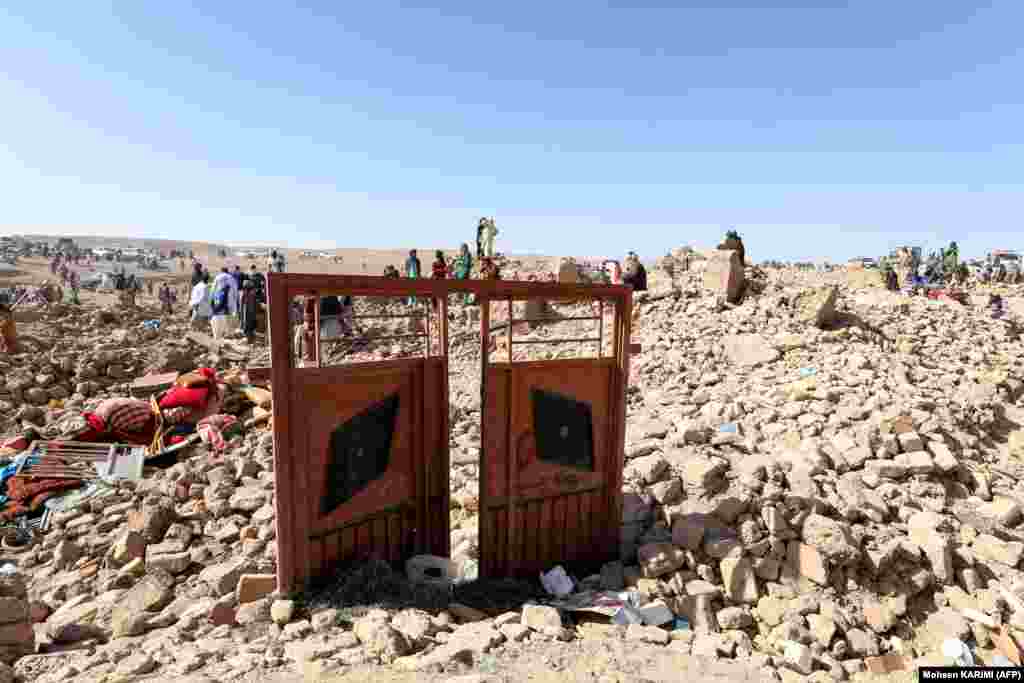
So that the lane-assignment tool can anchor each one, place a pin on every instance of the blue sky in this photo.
(817, 129)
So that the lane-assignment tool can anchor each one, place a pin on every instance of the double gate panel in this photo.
(361, 450)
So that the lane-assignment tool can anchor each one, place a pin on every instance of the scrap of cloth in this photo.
(191, 390)
(211, 430)
(126, 419)
(22, 489)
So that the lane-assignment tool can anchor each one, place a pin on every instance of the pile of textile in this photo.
(189, 409)
(165, 419)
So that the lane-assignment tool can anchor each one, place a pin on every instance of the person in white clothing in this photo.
(224, 302)
(199, 303)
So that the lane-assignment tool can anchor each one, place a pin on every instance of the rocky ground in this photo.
(821, 483)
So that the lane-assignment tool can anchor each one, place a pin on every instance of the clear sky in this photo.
(817, 129)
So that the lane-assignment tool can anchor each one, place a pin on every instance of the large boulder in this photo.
(723, 275)
(818, 306)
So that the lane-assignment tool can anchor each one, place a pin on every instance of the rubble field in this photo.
(822, 483)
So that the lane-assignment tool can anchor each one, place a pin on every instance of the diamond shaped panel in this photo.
(358, 453)
(563, 428)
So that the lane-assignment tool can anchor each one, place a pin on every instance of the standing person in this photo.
(347, 318)
(149, 287)
(199, 303)
(239, 277)
(464, 266)
(272, 261)
(73, 278)
(223, 300)
(438, 271)
(480, 229)
(259, 283)
(249, 309)
(331, 310)
(166, 299)
(304, 342)
(412, 270)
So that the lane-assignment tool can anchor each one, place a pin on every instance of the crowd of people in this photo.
(944, 268)
(229, 300)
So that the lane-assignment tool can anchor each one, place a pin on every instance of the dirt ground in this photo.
(605, 661)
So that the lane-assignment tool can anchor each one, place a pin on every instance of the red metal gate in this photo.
(361, 450)
(552, 456)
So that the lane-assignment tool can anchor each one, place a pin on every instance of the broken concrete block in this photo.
(1003, 510)
(724, 275)
(989, 547)
(656, 559)
(739, 579)
(808, 561)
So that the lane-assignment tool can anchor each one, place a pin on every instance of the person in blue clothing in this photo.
(412, 270)
(239, 277)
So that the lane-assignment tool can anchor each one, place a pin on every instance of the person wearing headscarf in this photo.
(438, 271)
(439, 268)
(224, 300)
(249, 310)
(412, 270)
(464, 263)
(464, 266)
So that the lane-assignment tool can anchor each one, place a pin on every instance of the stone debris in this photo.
(819, 480)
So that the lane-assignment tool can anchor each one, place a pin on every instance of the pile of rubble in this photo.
(817, 481)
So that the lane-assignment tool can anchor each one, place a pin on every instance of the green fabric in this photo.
(463, 266)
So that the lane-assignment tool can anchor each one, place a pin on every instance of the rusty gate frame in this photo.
(294, 568)
(494, 562)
